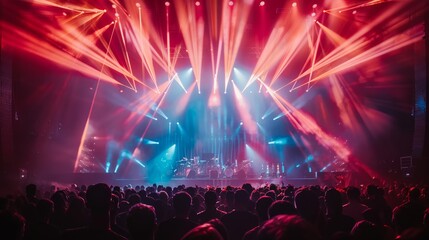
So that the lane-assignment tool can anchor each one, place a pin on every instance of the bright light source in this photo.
(177, 123)
(113, 6)
(354, 12)
(138, 5)
(197, 3)
(241, 123)
(315, 5)
(313, 14)
(167, 4)
(116, 14)
(262, 3)
(231, 3)
(294, 4)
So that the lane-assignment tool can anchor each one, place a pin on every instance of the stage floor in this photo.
(113, 179)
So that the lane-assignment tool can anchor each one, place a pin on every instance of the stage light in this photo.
(113, 6)
(354, 12)
(262, 3)
(231, 3)
(138, 5)
(241, 123)
(167, 4)
(197, 3)
(117, 15)
(107, 167)
(315, 5)
(294, 4)
(313, 14)
(177, 123)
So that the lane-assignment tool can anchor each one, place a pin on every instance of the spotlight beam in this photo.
(233, 25)
(193, 34)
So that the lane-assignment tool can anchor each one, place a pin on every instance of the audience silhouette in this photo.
(267, 212)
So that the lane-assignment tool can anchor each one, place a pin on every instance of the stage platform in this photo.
(114, 179)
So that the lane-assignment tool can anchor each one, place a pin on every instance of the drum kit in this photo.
(213, 167)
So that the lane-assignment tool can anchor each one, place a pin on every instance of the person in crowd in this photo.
(240, 220)
(308, 207)
(121, 218)
(30, 193)
(365, 230)
(99, 202)
(288, 227)
(40, 227)
(141, 222)
(76, 213)
(336, 221)
(262, 206)
(375, 200)
(409, 214)
(354, 208)
(60, 206)
(210, 212)
(12, 225)
(228, 202)
(179, 225)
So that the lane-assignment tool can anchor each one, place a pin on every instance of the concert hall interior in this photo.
(214, 91)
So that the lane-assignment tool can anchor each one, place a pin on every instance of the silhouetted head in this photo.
(333, 201)
(220, 227)
(364, 230)
(141, 221)
(98, 198)
(353, 193)
(288, 227)
(262, 206)
(182, 203)
(241, 198)
(203, 232)
(414, 194)
(281, 207)
(134, 199)
(307, 204)
(210, 198)
(30, 190)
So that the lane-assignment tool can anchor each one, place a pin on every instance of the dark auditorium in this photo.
(214, 119)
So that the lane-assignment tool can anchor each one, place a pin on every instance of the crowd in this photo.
(268, 212)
